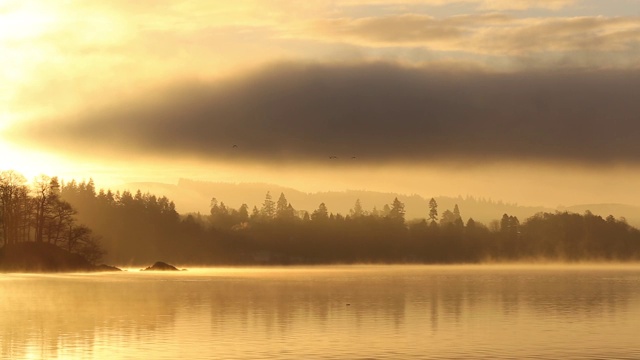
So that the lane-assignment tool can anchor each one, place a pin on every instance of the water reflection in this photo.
(331, 312)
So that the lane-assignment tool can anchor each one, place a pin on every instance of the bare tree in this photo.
(13, 207)
(46, 190)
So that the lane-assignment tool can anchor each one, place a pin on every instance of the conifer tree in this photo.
(321, 213)
(281, 207)
(397, 211)
(357, 210)
(433, 210)
(268, 207)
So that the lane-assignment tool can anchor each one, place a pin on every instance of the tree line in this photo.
(279, 233)
(275, 232)
(136, 228)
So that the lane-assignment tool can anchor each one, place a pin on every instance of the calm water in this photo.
(351, 312)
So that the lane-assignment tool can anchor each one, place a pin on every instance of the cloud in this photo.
(481, 4)
(93, 49)
(377, 112)
(491, 34)
(261, 9)
(525, 4)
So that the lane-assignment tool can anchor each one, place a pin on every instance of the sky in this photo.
(534, 102)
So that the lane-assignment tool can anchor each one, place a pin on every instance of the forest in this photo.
(133, 228)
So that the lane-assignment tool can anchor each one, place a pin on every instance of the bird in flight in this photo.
(235, 146)
(333, 157)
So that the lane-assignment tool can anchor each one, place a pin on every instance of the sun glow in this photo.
(26, 162)
(24, 23)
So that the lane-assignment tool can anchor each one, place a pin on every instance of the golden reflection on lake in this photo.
(342, 312)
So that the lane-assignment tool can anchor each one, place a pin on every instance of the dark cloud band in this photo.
(376, 112)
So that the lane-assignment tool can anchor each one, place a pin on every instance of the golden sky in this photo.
(521, 100)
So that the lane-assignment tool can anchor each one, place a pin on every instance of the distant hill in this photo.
(195, 196)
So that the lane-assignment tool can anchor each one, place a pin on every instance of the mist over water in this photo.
(398, 312)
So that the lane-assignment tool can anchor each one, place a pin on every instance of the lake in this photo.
(333, 312)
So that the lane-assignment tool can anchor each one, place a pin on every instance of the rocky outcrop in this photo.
(161, 266)
(104, 267)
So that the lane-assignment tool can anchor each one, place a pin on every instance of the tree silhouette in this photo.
(15, 207)
(284, 210)
(60, 219)
(386, 210)
(321, 213)
(243, 213)
(268, 207)
(397, 211)
(433, 210)
(509, 224)
(46, 191)
(255, 213)
(357, 210)
(452, 218)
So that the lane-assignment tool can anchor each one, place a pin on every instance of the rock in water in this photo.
(161, 266)
(104, 267)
